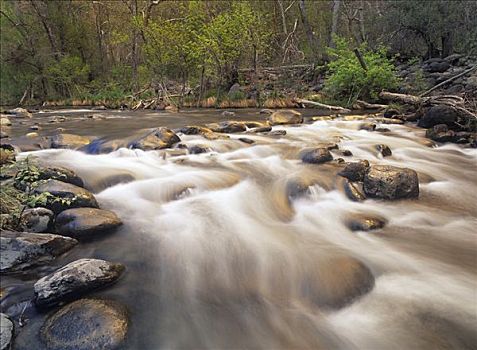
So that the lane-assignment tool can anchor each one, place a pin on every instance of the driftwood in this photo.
(322, 105)
(448, 81)
(365, 105)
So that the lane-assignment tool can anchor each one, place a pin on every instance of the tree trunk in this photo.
(134, 49)
(334, 24)
(308, 30)
(447, 44)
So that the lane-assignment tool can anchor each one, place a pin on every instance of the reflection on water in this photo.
(223, 253)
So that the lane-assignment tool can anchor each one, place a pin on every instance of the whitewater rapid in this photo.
(224, 254)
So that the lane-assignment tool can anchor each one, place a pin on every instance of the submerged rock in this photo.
(367, 126)
(75, 279)
(19, 250)
(197, 149)
(83, 223)
(384, 150)
(6, 332)
(86, 324)
(316, 156)
(36, 220)
(287, 116)
(389, 182)
(355, 171)
(61, 196)
(260, 129)
(159, 138)
(70, 141)
(246, 140)
(338, 282)
(365, 223)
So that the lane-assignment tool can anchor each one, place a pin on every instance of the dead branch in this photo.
(322, 105)
(448, 81)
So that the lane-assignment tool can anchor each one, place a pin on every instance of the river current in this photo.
(222, 251)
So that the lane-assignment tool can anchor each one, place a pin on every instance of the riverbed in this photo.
(221, 251)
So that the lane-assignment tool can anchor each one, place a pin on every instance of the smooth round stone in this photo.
(86, 324)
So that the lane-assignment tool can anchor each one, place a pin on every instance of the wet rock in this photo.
(32, 135)
(86, 324)
(391, 112)
(228, 127)
(157, 139)
(316, 156)
(6, 332)
(194, 130)
(354, 191)
(69, 141)
(367, 126)
(440, 114)
(345, 153)
(388, 182)
(276, 133)
(20, 112)
(227, 114)
(75, 279)
(254, 124)
(34, 127)
(47, 173)
(4, 134)
(20, 250)
(260, 129)
(36, 220)
(389, 121)
(5, 122)
(328, 146)
(382, 130)
(441, 133)
(384, 150)
(65, 196)
(197, 149)
(287, 116)
(214, 136)
(338, 282)
(84, 223)
(355, 171)
(365, 223)
(266, 111)
(246, 140)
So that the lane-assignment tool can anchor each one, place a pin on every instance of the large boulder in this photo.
(157, 139)
(36, 220)
(75, 279)
(69, 141)
(228, 127)
(440, 114)
(86, 324)
(46, 173)
(193, 130)
(287, 116)
(60, 196)
(84, 223)
(316, 156)
(338, 281)
(389, 182)
(6, 332)
(19, 250)
(355, 171)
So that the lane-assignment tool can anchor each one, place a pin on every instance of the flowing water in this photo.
(223, 252)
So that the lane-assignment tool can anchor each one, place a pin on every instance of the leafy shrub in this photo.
(347, 80)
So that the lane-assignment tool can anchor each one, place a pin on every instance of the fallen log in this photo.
(450, 100)
(322, 105)
(400, 98)
(448, 81)
(365, 105)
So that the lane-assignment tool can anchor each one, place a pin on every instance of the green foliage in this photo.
(348, 81)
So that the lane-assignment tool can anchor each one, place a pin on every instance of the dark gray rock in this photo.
(354, 191)
(260, 129)
(266, 111)
(345, 153)
(440, 114)
(276, 133)
(84, 223)
(287, 116)
(367, 126)
(227, 114)
(316, 156)
(75, 279)
(390, 112)
(157, 139)
(246, 140)
(62, 196)
(384, 150)
(230, 127)
(86, 324)
(194, 130)
(355, 171)
(36, 220)
(20, 250)
(388, 182)
(6, 332)
(69, 141)
(197, 149)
